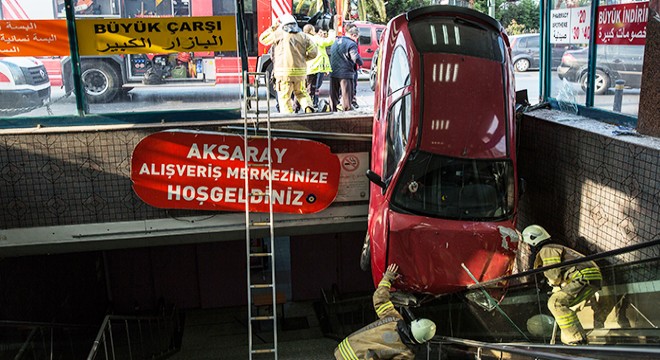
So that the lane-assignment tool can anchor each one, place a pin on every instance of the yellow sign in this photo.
(156, 35)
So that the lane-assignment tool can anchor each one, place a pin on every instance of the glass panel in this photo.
(453, 188)
(447, 36)
(399, 70)
(32, 44)
(365, 36)
(621, 34)
(398, 128)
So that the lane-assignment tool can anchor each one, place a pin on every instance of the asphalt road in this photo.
(163, 98)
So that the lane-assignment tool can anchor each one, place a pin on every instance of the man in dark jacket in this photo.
(389, 337)
(344, 58)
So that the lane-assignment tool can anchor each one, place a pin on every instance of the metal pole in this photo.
(81, 104)
(618, 94)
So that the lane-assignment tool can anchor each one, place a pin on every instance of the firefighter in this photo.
(389, 337)
(292, 51)
(571, 285)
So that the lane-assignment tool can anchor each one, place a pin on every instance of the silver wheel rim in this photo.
(94, 81)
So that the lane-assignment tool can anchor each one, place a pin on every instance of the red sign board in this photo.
(623, 24)
(206, 171)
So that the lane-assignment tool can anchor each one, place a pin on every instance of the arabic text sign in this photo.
(623, 24)
(156, 35)
(206, 171)
(34, 38)
(560, 26)
(570, 26)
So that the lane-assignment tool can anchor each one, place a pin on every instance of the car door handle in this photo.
(369, 51)
(617, 61)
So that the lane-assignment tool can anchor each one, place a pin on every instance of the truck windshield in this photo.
(455, 36)
(452, 188)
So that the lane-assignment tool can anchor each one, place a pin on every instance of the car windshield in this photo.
(455, 36)
(452, 188)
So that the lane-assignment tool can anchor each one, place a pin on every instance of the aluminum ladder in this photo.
(264, 255)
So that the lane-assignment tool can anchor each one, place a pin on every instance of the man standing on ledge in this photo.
(292, 50)
(389, 337)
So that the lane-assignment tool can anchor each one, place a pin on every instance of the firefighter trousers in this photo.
(297, 88)
(560, 304)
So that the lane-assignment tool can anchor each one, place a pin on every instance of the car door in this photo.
(533, 49)
(366, 45)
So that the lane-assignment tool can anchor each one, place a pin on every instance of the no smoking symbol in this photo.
(350, 163)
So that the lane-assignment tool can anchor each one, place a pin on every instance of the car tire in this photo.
(521, 65)
(365, 255)
(372, 80)
(601, 85)
(100, 80)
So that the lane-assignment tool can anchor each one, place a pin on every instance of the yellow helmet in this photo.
(422, 330)
(534, 234)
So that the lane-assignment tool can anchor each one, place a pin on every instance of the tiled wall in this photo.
(81, 177)
(592, 189)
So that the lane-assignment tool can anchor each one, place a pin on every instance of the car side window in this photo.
(399, 70)
(379, 32)
(398, 130)
(365, 36)
(522, 43)
(533, 42)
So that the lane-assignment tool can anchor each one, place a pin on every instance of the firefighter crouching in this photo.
(572, 284)
(292, 50)
(389, 337)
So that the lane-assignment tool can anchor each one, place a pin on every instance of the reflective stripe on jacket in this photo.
(321, 63)
(551, 254)
(291, 52)
(380, 339)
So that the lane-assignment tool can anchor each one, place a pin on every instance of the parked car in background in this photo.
(444, 189)
(24, 85)
(368, 42)
(526, 52)
(613, 62)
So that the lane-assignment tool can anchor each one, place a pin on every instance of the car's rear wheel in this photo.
(601, 85)
(365, 256)
(521, 65)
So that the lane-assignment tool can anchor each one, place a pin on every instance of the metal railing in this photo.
(35, 340)
(135, 337)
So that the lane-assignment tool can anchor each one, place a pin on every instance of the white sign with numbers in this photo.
(570, 26)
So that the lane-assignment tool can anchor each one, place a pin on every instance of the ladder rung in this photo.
(262, 318)
(265, 223)
(261, 286)
(261, 254)
(257, 165)
(252, 98)
(260, 193)
(263, 351)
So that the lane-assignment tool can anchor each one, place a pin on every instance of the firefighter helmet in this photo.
(422, 330)
(534, 234)
(287, 19)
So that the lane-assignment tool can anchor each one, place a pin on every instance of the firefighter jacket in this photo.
(388, 337)
(292, 50)
(551, 254)
(321, 63)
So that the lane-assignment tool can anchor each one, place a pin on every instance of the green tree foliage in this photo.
(396, 7)
(524, 12)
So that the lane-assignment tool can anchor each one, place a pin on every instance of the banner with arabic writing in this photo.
(156, 35)
(34, 38)
(623, 24)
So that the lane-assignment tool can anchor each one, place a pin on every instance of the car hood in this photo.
(463, 107)
(430, 252)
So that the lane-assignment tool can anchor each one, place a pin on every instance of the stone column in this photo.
(648, 121)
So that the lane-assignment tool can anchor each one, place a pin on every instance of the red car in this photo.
(443, 171)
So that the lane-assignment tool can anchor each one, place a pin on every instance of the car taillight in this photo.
(567, 58)
(4, 78)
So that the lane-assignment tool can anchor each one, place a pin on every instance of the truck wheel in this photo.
(365, 256)
(100, 81)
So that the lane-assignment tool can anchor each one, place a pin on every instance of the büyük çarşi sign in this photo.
(207, 171)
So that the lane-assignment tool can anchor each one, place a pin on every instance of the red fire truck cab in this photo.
(443, 161)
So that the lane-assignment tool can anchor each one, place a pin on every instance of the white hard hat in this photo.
(422, 330)
(534, 234)
(287, 19)
(540, 325)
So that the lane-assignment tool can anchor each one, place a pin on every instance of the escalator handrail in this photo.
(534, 354)
(592, 257)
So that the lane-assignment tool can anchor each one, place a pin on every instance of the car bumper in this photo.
(566, 72)
(24, 98)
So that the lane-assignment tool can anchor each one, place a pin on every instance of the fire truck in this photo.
(105, 77)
